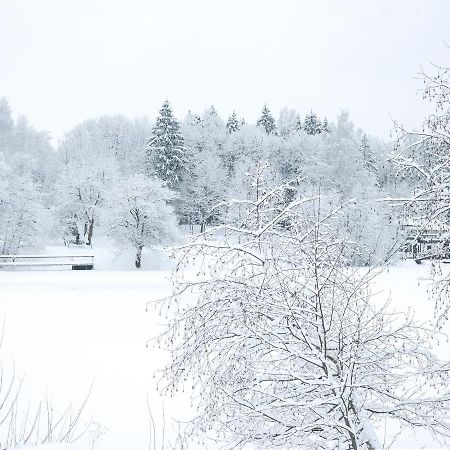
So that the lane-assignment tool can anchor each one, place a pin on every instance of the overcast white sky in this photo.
(64, 61)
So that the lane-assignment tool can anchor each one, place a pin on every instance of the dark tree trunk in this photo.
(90, 232)
(138, 257)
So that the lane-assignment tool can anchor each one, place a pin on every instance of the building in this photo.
(426, 239)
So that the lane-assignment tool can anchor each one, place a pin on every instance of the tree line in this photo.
(137, 181)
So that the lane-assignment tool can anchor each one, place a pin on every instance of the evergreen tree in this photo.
(165, 150)
(298, 124)
(325, 126)
(312, 124)
(212, 110)
(192, 119)
(267, 121)
(233, 123)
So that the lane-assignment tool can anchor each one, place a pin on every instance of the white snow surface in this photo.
(65, 330)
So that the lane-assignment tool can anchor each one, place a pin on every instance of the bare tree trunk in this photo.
(138, 257)
(90, 232)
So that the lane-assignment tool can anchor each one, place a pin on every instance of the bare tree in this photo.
(283, 341)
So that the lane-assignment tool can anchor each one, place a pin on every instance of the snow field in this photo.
(67, 330)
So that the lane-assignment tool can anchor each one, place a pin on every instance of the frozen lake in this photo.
(65, 330)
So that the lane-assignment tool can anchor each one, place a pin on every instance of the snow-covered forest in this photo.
(224, 226)
(135, 180)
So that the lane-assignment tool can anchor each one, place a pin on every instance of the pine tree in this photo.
(192, 119)
(312, 124)
(267, 121)
(325, 126)
(165, 150)
(298, 124)
(232, 123)
(212, 110)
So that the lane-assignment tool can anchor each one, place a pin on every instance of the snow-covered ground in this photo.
(68, 329)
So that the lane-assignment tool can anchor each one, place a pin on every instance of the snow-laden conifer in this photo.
(233, 123)
(312, 124)
(165, 149)
(266, 121)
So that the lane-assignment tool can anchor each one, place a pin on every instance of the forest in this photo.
(136, 180)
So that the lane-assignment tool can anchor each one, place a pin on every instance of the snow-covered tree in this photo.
(425, 154)
(208, 161)
(211, 122)
(35, 151)
(24, 220)
(124, 139)
(312, 124)
(283, 340)
(206, 187)
(192, 119)
(108, 137)
(266, 121)
(80, 195)
(345, 128)
(234, 150)
(27, 169)
(233, 123)
(94, 156)
(139, 215)
(6, 124)
(424, 157)
(165, 149)
(367, 154)
(299, 125)
(289, 158)
(253, 144)
(325, 126)
(288, 122)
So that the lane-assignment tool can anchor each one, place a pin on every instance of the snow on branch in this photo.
(284, 342)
